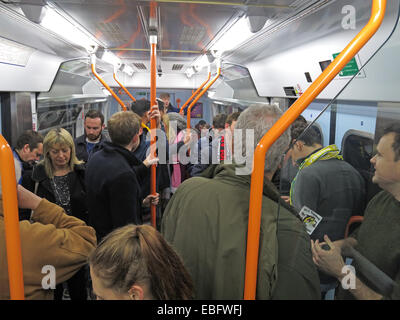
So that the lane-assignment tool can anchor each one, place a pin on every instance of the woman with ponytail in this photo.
(135, 263)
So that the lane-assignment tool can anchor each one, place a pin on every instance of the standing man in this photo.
(28, 150)
(206, 221)
(112, 178)
(378, 237)
(165, 97)
(327, 185)
(91, 141)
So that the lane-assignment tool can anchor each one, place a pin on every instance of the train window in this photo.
(50, 119)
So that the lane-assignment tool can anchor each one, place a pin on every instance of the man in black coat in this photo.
(113, 175)
(91, 141)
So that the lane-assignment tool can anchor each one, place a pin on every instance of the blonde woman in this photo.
(60, 178)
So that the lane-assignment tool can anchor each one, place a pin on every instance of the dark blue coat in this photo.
(113, 189)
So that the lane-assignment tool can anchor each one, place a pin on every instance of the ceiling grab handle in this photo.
(181, 111)
(153, 124)
(93, 64)
(257, 176)
(189, 109)
(122, 87)
(11, 221)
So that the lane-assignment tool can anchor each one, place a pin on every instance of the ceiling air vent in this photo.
(177, 67)
(140, 66)
(192, 35)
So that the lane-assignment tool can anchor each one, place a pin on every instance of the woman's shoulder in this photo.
(80, 167)
(39, 172)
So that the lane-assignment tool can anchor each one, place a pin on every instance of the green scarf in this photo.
(326, 153)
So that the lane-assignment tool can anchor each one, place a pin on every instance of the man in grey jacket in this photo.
(327, 185)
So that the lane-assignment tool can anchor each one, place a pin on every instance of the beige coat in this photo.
(54, 239)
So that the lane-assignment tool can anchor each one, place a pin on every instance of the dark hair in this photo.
(201, 124)
(30, 137)
(93, 114)
(219, 121)
(395, 129)
(122, 127)
(164, 95)
(232, 117)
(140, 106)
(310, 137)
(138, 254)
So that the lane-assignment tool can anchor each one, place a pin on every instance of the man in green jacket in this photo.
(206, 222)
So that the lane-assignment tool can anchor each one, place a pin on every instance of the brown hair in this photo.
(30, 137)
(138, 254)
(232, 117)
(122, 127)
(93, 114)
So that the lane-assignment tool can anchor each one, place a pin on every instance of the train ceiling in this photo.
(186, 30)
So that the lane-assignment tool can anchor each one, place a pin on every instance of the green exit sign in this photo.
(349, 69)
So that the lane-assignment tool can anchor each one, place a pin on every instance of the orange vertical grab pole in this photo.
(257, 176)
(153, 124)
(11, 221)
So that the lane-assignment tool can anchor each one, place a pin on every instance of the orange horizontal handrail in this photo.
(189, 109)
(257, 176)
(181, 111)
(11, 221)
(123, 88)
(108, 88)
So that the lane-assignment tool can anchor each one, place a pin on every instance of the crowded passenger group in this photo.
(84, 208)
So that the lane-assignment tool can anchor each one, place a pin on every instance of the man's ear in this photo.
(299, 145)
(26, 148)
(103, 126)
(136, 292)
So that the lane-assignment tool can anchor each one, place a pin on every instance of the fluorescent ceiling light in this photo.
(67, 29)
(14, 53)
(201, 62)
(189, 72)
(128, 70)
(234, 36)
(111, 58)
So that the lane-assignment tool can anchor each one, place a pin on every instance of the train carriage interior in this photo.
(256, 51)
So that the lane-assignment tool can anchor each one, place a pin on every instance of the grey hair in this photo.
(180, 120)
(261, 118)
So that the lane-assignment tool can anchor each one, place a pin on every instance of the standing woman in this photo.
(60, 178)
